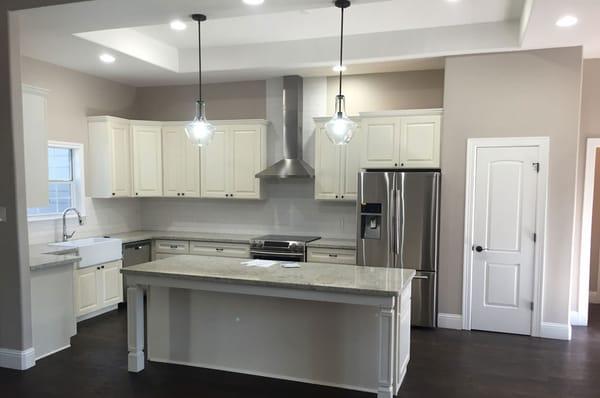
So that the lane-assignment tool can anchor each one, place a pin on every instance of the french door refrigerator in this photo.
(398, 226)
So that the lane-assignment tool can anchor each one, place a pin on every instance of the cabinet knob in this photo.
(182, 194)
(395, 164)
(178, 194)
(231, 195)
(136, 194)
(336, 196)
(226, 195)
(113, 194)
(342, 196)
(402, 164)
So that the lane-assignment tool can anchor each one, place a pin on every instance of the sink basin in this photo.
(94, 251)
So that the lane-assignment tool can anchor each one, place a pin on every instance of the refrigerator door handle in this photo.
(394, 222)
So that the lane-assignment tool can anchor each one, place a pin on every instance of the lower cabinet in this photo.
(98, 287)
(333, 256)
(170, 248)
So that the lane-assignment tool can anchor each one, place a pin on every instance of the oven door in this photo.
(277, 256)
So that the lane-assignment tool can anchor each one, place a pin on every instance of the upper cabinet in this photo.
(403, 139)
(236, 154)
(109, 158)
(146, 144)
(336, 166)
(181, 163)
(35, 137)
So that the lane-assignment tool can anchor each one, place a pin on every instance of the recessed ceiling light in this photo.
(178, 25)
(107, 58)
(339, 68)
(567, 21)
(253, 2)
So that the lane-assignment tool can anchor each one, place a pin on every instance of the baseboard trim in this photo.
(450, 321)
(53, 352)
(15, 359)
(579, 318)
(595, 297)
(559, 331)
(97, 313)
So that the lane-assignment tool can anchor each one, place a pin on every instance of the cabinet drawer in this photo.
(235, 250)
(334, 256)
(172, 246)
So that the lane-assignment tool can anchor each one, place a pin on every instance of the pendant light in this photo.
(340, 128)
(200, 131)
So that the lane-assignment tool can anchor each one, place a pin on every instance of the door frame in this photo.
(543, 143)
(580, 317)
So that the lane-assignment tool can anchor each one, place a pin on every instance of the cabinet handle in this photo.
(226, 195)
(219, 249)
(333, 255)
(342, 196)
(402, 164)
(231, 195)
(173, 246)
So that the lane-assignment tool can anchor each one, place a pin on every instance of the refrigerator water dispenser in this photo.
(370, 221)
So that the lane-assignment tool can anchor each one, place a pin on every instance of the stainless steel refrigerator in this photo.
(398, 226)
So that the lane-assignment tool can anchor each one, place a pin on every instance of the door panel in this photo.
(172, 160)
(351, 162)
(417, 211)
(327, 167)
(190, 173)
(215, 166)
(381, 146)
(147, 160)
(504, 220)
(112, 284)
(121, 162)
(246, 162)
(87, 294)
(420, 141)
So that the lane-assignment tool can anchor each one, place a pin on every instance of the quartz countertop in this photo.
(135, 236)
(45, 256)
(334, 243)
(339, 278)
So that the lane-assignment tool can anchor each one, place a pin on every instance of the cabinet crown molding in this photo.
(404, 112)
(107, 119)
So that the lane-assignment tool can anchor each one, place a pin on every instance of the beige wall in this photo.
(72, 97)
(533, 93)
(240, 100)
(595, 244)
(389, 91)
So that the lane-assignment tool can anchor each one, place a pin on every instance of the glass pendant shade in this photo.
(200, 131)
(340, 128)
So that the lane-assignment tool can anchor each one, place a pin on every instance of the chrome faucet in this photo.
(67, 236)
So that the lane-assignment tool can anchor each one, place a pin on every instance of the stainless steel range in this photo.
(280, 247)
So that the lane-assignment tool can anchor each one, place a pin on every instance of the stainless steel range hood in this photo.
(292, 165)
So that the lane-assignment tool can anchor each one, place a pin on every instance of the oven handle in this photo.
(276, 254)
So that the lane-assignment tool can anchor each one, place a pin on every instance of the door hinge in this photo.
(534, 237)
(536, 166)
(532, 306)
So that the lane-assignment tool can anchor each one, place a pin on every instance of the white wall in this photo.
(72, 97)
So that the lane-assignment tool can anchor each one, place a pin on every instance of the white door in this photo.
(246, 162)
(86, 290)
(504, 222)
(147, 160)
(327, 166)
(420, 141)
(121, 159)
(111, 283)
(173, 161)
(215, 166)
(190, 174)
(380, 137)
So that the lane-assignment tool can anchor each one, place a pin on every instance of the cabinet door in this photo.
(333, 256)
(111, 282)
(121, 159)
(87, 293)
(245, 144)
(220, 249)
(420, 141)
(350, 167)
(190, 172)
(327, 166)
(35, 140)
(147, 160)
(215, 166)
(173, 160)
(381, 142)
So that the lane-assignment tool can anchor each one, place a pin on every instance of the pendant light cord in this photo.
(341, 49)
(199, 62)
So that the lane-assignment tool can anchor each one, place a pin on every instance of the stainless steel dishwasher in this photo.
(135, 253)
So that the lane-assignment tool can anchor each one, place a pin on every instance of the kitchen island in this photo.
(329, 324)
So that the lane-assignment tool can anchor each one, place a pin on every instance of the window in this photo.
(64, 181)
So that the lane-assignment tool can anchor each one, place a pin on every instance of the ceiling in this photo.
(279, 37)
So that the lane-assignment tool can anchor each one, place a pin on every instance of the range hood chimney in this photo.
(292, 165)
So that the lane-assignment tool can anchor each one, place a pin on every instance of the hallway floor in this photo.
(444, 363)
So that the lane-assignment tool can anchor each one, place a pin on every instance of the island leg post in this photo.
(386, 353)
(135, 328)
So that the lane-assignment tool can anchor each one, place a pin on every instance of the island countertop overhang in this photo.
(336, 278)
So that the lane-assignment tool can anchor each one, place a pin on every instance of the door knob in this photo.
(479, 249)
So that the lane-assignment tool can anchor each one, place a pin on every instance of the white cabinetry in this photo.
(109, 157)
(336, 166)
(181, 163)
(146, 142)
(403, 139)
(229, 164)
(35, 139)
(98, 287)
(169, 248)
(330, 255)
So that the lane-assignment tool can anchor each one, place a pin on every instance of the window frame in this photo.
(77, 183)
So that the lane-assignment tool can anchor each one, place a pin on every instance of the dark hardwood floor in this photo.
(444, 363)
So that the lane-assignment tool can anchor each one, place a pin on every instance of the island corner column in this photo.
(385, 374)
(135, 328)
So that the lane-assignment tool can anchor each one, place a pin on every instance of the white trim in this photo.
(26, 88)
(265, 374)
(577, 319)
(594, 297)
(53, 352)
(586, 230)
(97, 312)
(542, 194)
(558, 331)
(403, 112)
(450, 321)
(15, 359)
